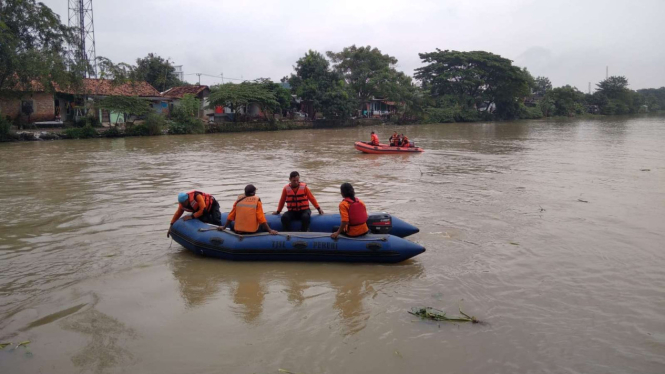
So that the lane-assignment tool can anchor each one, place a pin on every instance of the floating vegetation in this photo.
(3, 345)
(439, 315)
(582, 201)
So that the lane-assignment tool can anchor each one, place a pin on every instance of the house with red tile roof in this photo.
(37, 105)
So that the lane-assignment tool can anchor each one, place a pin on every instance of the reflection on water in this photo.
(203, 279)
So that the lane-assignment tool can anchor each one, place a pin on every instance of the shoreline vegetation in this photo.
(145, 128)
(343, 88)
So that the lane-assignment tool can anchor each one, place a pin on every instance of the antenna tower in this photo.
(80, 17)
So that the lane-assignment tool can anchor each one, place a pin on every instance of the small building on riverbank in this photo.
(66, 104)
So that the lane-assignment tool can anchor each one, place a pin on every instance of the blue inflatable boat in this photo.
(379, 223)
(204, 239)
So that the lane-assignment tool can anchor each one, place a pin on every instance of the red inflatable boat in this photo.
(385, 148)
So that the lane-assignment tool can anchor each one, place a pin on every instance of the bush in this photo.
(183, 123)
(526, 112)
(80, 133)
(113, 132)
(470, 115)
(440, 115)
(155, 123)
(6, 133)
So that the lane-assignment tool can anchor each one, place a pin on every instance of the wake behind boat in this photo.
(366, 147)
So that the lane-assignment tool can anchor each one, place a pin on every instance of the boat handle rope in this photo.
(288, 237)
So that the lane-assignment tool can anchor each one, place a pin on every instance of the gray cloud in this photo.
(570, 41)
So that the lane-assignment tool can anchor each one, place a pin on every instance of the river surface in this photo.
(551, 232)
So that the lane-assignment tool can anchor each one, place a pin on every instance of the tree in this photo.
(157, 71)
(567, 100)
(314, 81)
(367, 72)
(543, 85)
(33, 49)
(475, 79)
(241, 95)
(127, 105)
(282, 95)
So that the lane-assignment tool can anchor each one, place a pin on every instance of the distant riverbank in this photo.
(139, 129)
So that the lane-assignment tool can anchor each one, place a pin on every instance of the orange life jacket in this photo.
(246, 220)
(357, 212)
(193, 205)
(375, 139)
(296, 201)
(394, 139)
(405, 142)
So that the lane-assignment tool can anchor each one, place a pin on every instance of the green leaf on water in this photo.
(3, 345)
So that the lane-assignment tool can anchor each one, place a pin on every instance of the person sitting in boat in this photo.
(375, 139)
(394, 139)
(248, 214)
(297, 196)
(405, 141)
(203, 206)
(353, 213)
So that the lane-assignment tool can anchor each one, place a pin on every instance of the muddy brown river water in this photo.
(552, 232)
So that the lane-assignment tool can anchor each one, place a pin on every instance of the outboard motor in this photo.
(380, 223)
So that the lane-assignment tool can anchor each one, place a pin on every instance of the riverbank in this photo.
(210, 128)
(138, 129)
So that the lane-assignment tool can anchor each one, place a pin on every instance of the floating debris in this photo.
(286, 371)
(440, 315)
(582, 201)
(645, 169)
(396, 353)
(3, 345)
(23, 344)
(513, 243)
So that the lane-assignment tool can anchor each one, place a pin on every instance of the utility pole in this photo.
(607, 72)
(80, 17)
(199, 74)
(222, 77)
(589, 88)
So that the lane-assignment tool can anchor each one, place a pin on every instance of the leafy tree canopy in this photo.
(33, 48)
(475, 77)
(157, 71)
(237, 95)
(368, 72)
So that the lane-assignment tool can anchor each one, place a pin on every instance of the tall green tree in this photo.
(282, 95)
(315, 81)
(157, 71)
(367, 72)
(33, 48)
(474, 78)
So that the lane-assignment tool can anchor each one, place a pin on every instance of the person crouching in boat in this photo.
(353, 212)
(248, 214)
(393, 139)
(203, 206)
(405, 141)
(375, 139)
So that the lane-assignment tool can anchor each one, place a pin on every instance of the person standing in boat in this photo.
(353, 213)
(375, 139)
(297, 196)
(203, 206)
(248, 214)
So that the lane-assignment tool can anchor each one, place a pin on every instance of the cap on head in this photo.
(250, 190)
(183, 197)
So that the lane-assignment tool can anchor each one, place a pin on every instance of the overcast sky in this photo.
(569, 41)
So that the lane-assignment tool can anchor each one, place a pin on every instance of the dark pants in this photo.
(214, 216)
(305, 216)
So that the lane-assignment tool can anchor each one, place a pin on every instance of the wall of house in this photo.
(43, 107)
